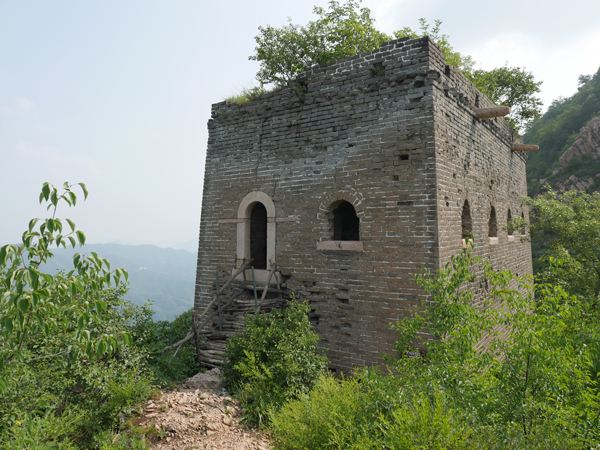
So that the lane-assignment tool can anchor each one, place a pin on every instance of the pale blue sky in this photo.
(117, 93)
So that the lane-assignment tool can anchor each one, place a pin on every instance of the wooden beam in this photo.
(264, 294)
(525, 148)
(489, 113)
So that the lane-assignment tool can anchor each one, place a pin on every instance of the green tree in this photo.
(514, 87)
(70, 305)
(570, 222)
(344, 30)
(583, 80)
(453, 58)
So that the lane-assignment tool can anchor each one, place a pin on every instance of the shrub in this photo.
(247, 95)
(43, 431)
(68, 370)
(152, 337)
(334, 414)
(273, 360)
(368, 411)
(426, 422)
(533, 385)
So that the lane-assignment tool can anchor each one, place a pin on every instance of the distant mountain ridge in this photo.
(569, 138)
(163, 275)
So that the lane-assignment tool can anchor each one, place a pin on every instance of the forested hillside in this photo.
(163, 275)
(557, 131)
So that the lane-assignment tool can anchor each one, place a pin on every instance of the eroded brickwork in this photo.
(403, 147)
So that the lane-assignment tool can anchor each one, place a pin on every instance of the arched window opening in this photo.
(493, 224)
(346, 224)
(508, 219)
(258, 236)
(467, 224)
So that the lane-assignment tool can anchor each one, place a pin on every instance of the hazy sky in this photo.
(117, 93)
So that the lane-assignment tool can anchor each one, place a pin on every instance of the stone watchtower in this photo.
(371, 169)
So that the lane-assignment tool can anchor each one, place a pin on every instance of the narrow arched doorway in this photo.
(466, 223)
(492, 224)
(258, 236)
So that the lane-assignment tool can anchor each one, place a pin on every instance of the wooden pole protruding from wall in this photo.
(525, 148)
(489, 113)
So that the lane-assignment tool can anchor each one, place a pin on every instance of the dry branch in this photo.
(199, 325)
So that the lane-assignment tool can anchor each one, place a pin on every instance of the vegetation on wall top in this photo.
(345, 30)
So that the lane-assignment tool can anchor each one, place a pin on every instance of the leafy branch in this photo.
(34, 303)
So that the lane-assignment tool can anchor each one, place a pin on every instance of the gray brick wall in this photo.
(404, 148)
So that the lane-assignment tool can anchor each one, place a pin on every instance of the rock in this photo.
(198, 417)
(588, 143)
(575, 183)
(210, 379)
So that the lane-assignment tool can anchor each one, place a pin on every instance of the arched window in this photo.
(508, 219)
(493, 224)
(258, 236)
(256, 232)
(467, 224)
(346, 224)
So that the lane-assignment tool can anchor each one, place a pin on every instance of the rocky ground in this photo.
(199, 415)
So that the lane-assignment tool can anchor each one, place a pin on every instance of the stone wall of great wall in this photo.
(392, 132)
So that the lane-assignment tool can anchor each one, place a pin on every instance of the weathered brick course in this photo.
(404, 148)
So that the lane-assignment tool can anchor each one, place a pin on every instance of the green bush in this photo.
(368, 411)
(334, 414)
(68, 369)
(43, 431)
(133, 438)
(247, 95)
(273, 360)
(532, 385)
(426, 423)
(165, 367)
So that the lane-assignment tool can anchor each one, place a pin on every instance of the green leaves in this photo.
(71, 308)
(342, 31)
(511, 359)
(32, 224)
(453, 58)
(45, 194)
(84, 189)
(275, 359)
(345, 30)
(572, 219)
(80, 238)
(514, 87)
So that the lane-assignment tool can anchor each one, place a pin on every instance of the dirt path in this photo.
(199, 416)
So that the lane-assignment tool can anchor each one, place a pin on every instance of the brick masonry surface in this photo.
(403, 146)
